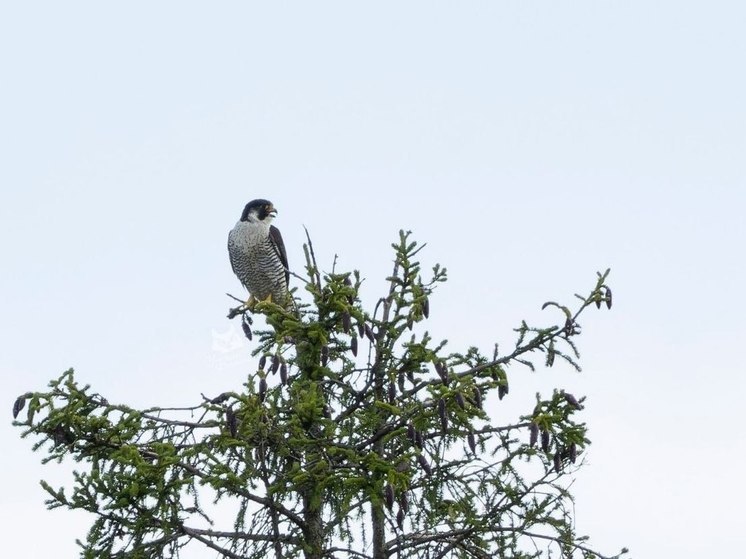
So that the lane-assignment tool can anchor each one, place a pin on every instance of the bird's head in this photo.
(259, 211)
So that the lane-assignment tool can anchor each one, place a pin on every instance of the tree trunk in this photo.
(378, 519)
(313, 529)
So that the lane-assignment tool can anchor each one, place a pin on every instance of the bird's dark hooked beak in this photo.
(272, 211)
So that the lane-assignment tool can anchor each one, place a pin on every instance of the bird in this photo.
(257, 255)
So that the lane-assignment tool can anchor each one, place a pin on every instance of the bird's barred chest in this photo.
(256, 262)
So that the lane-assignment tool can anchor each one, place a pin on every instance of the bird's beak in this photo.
(272, 211)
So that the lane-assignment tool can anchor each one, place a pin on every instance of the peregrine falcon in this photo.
(258, 256)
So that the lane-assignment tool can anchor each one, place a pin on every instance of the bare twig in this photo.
(313, 259)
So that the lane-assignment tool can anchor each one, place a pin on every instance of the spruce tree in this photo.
(357, 435)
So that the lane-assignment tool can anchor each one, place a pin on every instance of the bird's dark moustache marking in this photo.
(258, 203)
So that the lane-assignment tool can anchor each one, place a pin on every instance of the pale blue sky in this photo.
(529, 143)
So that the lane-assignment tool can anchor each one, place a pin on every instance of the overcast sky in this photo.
(530, 144)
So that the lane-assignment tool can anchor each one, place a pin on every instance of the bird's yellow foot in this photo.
(253, 302)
